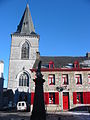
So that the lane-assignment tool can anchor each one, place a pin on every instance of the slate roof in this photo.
(26, 26)
(59, 61)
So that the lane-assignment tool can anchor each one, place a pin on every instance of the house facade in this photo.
(67, 82)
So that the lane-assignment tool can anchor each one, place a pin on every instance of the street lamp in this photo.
(59, 89)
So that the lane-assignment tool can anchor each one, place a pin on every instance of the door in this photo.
(65, 101)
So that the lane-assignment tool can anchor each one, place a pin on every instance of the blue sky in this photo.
(63, 26)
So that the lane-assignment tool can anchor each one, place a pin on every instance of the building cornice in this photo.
(23, 35)
(60, 69)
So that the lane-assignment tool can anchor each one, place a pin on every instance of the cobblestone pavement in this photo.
(50, 116)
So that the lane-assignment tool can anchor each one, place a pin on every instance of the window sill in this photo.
(52, 84)
(51, 103)
(65, 84)
(79, 84)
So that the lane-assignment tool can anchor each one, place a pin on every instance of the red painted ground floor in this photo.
(56, 98)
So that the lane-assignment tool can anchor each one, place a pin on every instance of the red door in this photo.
(65, 101)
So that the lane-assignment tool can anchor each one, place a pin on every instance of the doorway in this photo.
(65, 100)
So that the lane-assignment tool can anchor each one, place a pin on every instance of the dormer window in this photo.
(51, 64)
(25, 23)
(76, 64)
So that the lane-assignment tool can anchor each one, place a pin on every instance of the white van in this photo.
(22, 106)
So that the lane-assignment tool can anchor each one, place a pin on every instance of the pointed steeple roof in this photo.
(26, 25)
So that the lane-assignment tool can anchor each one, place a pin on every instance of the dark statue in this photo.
(38, 72)
(38, 112)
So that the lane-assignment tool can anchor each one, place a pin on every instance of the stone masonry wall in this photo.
(16, 64)
(72, 87)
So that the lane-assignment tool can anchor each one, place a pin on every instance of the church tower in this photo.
(24, 46)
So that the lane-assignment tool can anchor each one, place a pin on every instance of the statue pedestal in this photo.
(38, 112)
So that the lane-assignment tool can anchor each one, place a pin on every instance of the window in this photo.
(19, 104)
(51, 79)
(79, 98)
(25, 51)
(51, 98)
(22, 104)
(88, 78)
(78, 78)
(65, 79)
(24, 79)
(76, 64)
(51, 64)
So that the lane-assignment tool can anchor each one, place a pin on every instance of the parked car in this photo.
(23, 106)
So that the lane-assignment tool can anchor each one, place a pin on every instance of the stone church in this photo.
(24, 49)
(67, 79)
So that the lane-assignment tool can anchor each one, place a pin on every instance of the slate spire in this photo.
(26, 25)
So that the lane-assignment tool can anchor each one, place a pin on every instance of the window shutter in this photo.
(46, 98)
(32, 98)
(74, 98)
(84, 97)
(88, 97)
(57, 98)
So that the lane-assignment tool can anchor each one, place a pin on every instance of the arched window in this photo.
(24, 79)
(25, 51)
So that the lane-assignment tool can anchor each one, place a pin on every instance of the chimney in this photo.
(88, 54)
(37, 55)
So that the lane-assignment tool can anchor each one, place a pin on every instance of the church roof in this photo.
(26, 26)
(62, 61)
